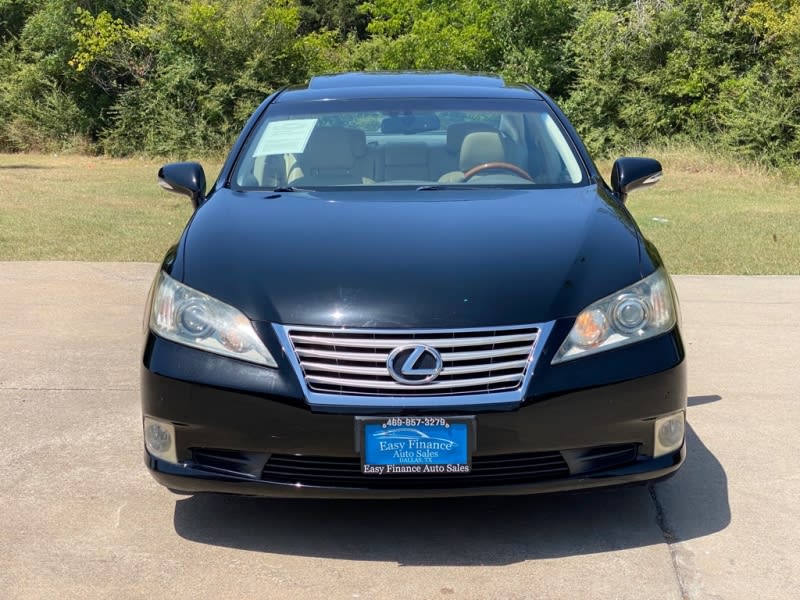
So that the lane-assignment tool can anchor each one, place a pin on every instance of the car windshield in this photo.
(424, 144)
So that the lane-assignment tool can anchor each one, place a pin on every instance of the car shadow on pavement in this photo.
(469, 531)
(699, 400)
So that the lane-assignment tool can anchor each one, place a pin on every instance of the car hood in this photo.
(443, 258)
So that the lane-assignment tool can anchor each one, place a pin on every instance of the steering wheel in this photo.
(497, 165)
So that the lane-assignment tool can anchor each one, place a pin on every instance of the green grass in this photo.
(711, 215)
(87, 208)
(708, 215)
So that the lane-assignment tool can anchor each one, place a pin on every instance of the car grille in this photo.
(354, 361)
(345, 472)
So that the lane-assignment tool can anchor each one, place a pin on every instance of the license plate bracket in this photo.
(415, 445)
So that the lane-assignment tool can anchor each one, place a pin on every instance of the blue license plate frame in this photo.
(411, 445)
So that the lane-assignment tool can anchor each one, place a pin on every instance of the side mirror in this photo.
(187, 178)
(630, 173)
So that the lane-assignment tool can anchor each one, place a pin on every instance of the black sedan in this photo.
(411, 285)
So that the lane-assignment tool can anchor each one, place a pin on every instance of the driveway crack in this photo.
(670, 539)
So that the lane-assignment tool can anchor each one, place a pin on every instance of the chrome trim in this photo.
(447, 356)
(512, 364)
(655, 178)
(508, 398)
(367, 343)
(435, 385)
(408, 369)
(477, 354)
(344, 355)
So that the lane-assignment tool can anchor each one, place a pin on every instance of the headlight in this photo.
(184, 315)
(643, 310)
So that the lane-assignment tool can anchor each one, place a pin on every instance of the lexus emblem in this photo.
(414, 365)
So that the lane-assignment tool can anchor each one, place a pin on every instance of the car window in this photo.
(408, 142)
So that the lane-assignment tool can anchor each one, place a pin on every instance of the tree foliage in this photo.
(181, 76)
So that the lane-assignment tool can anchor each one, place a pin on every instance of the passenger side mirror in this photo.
(187, 178)
(631, 173)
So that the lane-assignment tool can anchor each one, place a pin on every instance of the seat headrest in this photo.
(479, 148)
(458, 131)
(359, 139)
(334, 148)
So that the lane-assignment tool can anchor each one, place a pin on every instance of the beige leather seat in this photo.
(333, 156)
(445, 159)
(478, 148)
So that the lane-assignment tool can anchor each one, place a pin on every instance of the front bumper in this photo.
(270, 443)
(186, 479)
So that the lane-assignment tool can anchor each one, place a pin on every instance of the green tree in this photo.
(434, 34)
(533, 36)
(13, 15)
(181, 76)
(177, 91)
(759, 112)
(340, 16)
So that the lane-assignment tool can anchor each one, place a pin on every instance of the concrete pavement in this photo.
(81, 518)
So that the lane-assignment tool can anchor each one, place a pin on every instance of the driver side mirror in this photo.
(629, 173)
(187, 178)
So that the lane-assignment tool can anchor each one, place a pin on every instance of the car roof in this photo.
(405, 84)
(386, 78)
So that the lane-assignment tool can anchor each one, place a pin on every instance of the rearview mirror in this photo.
(410, 123)
(631, 173)
(187, 178)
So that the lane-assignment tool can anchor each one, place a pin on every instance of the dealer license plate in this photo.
(416, 445)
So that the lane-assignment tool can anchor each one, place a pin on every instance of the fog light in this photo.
(669, 433)
(159, 439)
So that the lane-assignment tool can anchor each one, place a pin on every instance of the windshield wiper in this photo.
(436, 187)
(290, 188)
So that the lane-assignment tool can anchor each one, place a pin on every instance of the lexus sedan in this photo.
(411, 285)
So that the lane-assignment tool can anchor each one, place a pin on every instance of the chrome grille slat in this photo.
(382, 356)
(353, 362)
(360, 356)
(476, 355)
(499, 366)
(392, 385)
(334, 368)
(449, 342)
(380, 371)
